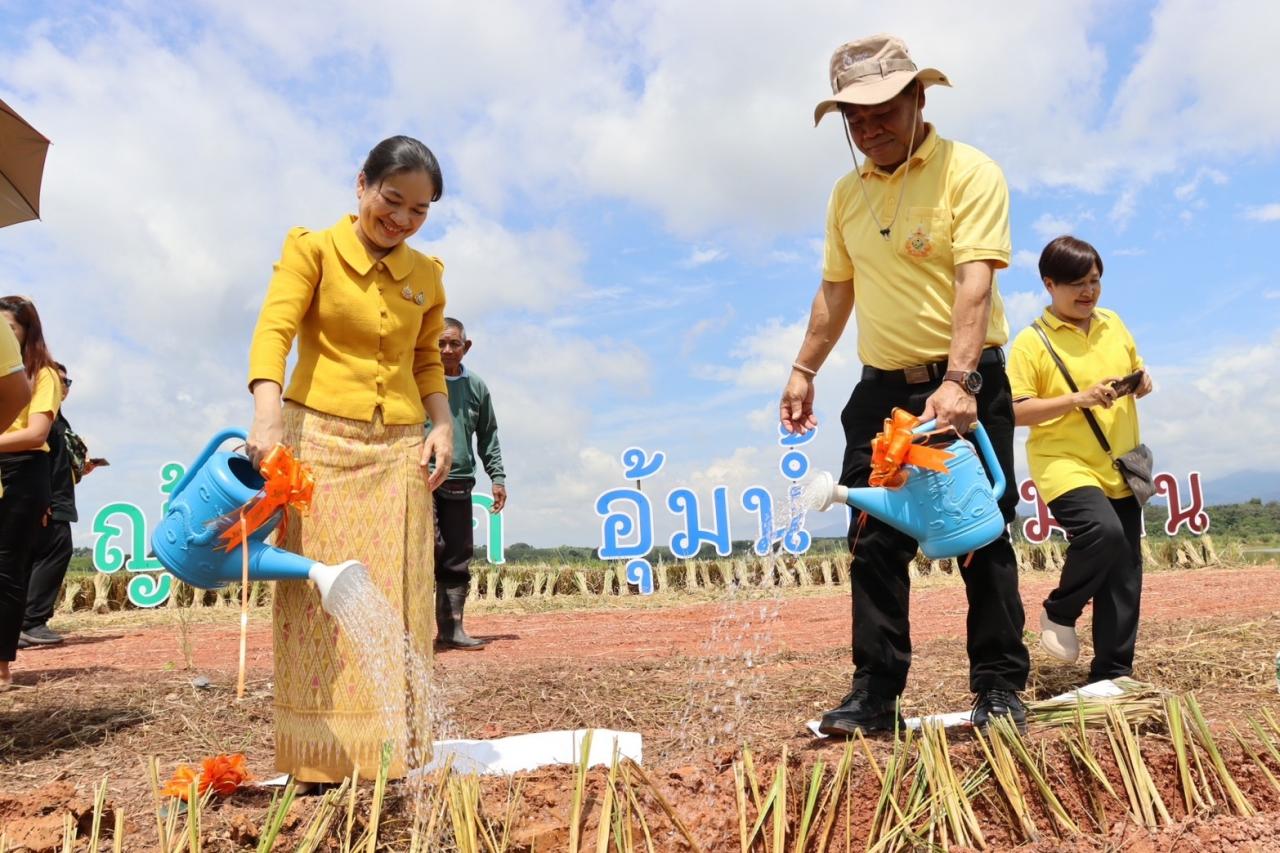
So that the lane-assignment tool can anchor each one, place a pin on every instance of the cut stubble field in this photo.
(698, 675)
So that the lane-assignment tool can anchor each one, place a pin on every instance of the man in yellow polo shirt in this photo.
(916, 234)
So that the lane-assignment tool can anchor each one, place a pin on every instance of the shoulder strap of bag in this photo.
(1066, 374)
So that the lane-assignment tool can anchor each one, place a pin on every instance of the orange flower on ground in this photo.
(223, 774)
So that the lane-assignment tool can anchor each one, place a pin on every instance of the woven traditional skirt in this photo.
(371, 504)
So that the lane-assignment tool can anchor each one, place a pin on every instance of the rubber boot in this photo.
(450, 604)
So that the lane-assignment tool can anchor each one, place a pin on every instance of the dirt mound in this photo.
(36, 821)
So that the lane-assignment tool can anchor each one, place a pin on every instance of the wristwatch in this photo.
(969, 380)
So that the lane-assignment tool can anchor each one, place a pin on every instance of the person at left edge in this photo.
(366, 311)
(24, 474)
(15, 390)
(69, 463)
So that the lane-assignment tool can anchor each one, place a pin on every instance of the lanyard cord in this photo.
(897, 208)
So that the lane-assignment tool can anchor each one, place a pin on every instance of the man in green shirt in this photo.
(473, 418)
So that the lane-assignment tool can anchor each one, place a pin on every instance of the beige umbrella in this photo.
(22, 150)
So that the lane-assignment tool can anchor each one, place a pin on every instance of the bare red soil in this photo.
(807, 624)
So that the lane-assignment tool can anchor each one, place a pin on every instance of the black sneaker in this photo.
(41, 635)
(999, 702)
(861, 711)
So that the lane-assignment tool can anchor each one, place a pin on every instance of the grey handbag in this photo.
(1135, 466)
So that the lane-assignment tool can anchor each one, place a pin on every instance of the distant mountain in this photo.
(1242, 487)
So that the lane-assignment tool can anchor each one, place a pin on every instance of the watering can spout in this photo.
(336, 583)
(888, 505)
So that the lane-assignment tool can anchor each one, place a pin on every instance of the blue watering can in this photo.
(949, 514)
(188, 546)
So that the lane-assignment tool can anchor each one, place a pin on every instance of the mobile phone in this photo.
(1128, 384)
(98, 461)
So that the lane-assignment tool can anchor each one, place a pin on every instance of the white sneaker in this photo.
(1059, 641)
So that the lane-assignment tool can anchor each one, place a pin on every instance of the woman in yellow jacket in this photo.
(25, 476)
(367, 312)
(1073, 473)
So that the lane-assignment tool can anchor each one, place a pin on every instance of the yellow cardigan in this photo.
(368, 330)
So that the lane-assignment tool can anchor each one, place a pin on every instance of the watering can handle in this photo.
(988, 454)
(209, 449)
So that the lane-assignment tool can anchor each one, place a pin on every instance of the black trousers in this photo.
(1104, 563)
(25, 477)
(880, 580)
(50, 559)
(455, 537)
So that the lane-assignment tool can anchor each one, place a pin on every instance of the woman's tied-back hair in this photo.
(398, 154)
(35, 352)
(1068, 259)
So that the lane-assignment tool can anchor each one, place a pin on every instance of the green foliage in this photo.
(1254, 522)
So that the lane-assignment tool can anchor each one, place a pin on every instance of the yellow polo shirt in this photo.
(954, 209)
(10, 352)
(1063, 453)
(46, 396)
(368, 330)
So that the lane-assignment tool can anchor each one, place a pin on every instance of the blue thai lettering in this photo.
(495, 543)
(637, 465)
(640, 574)
(790, 439)
(794, 465)
(686, 544)
(758, 500)
(796, 540)
(618, 526)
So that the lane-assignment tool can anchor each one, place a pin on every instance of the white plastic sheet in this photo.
(1097, 690)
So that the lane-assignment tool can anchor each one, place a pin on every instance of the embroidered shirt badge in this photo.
(918, 244)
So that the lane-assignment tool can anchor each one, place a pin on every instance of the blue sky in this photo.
(633, 209)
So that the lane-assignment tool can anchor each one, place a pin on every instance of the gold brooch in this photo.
(407, 293)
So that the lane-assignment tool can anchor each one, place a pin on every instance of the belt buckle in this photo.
(916, 374)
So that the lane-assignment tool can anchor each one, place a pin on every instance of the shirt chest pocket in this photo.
(925, 236)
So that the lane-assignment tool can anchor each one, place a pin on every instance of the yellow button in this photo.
(381, 266)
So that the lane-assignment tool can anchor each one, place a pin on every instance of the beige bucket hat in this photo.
(872, 70)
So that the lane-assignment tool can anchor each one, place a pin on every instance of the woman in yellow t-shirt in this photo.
(1072, 471)
(366, 311)
(24, 474)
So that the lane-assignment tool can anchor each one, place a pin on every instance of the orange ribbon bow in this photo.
(224, 774)
(896, 446)
(288, 484)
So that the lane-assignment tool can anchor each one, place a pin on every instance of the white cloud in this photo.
(1124, 208)
(490, 268)
(763, 357)
(1188, 190)
(1264, 213)
(1048, 226)
(1216, 395)
(699, 257)
(1021, 307)
(1025, 259)
(704, 326)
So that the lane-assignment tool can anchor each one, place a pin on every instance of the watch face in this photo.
(973, 382)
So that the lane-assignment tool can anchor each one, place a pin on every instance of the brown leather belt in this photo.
(918, 374)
